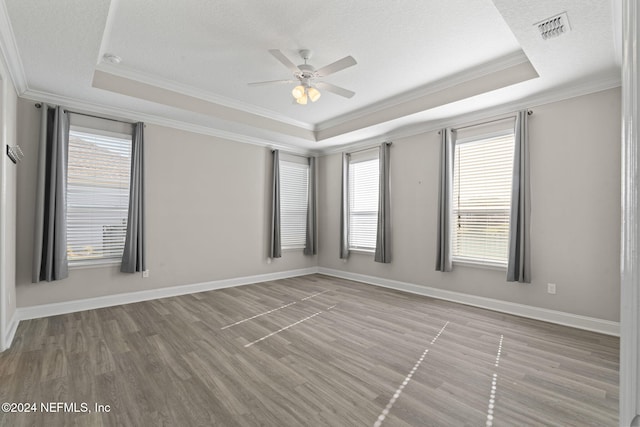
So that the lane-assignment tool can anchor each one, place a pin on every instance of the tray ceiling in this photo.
(188, 63)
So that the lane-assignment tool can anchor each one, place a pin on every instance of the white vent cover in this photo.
(554, 26)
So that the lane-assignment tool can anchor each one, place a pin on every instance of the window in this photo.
(294, 193)
(97, 195)
(481, 200)
(364, 170)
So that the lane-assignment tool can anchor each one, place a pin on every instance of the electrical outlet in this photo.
(145, 274)
(551, 288)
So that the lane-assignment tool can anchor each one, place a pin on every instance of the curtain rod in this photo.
(371, 147)
(38, 105)
(529, 112)
(290, 153)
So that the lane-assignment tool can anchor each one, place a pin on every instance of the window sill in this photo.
(81, 265)
(480, 264)
(363, 251)
(292, 248)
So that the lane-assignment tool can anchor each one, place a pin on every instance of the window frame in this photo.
(97, 130)
(366, 155)
(471, 261)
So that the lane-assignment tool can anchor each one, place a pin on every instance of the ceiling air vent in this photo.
(554, 26)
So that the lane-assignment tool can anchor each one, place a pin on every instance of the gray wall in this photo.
(207, 204)
(575, 218)
(208, 201)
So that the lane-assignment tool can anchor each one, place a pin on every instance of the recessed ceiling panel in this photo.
(221, 46)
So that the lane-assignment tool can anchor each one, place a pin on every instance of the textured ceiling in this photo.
(189, 62)
(221, 46)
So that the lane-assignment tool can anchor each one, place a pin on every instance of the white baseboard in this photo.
(11, 332)
(46, 310)
(567, 319)
(581, 322)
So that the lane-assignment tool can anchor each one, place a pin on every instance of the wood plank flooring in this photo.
(308, 351)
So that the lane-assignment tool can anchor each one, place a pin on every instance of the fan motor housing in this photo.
(306, 72)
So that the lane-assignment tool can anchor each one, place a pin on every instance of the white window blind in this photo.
(364, 170)
(97, 194)
(481, 200)
(294, 192)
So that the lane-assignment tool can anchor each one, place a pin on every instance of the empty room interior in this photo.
(319, 213)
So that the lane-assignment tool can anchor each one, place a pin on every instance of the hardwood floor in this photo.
(308, 351)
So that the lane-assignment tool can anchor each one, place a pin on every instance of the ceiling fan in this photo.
(307, 77)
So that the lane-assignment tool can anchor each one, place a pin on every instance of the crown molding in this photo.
(127, 73)
(547, 97)
(484, 69)
(9, 51)
(481, 70)
(130, 115)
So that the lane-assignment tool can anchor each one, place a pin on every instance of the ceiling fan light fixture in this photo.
(314, 94)
(302, 100)
(298, 92)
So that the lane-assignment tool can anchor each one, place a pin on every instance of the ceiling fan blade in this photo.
(334, 67)
(335, 89)
(284, 60)
(272, 82)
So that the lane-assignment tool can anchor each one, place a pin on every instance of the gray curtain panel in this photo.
(443, 251)
(519, 264)
(50, 240)
(134, 254)
(344, 208)
(275, 246)
(383, 235)
(311, 246)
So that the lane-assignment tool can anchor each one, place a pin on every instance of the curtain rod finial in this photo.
(529, 112)
(38, 105)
